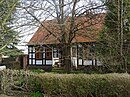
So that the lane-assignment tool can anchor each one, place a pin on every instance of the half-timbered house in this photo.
(45, 50)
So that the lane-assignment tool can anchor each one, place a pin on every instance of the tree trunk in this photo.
(0, 58)
(67, 58)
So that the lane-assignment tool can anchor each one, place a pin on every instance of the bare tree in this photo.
(67, 14)
(114, 45)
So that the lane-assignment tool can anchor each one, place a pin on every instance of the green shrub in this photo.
(83, 85)
(14, 80)
(15, 65)
(35, 84)
(36, 94)
(67, 85)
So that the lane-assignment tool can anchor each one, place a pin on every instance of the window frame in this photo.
(48, 54)
(39, 53)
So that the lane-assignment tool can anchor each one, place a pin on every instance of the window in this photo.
(88, 52)
(85, 53)
(80, 52)
(39, 53)
(55, 52)
(91, 52)
(31, 49)
(74, 51)
(60, 53)
(31, 53)
(48, 53)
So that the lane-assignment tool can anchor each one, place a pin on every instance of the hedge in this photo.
(69, 85)
(82, 85)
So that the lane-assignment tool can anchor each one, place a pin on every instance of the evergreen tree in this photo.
(114, 38)
(8, 37)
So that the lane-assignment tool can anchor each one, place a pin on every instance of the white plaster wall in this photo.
(87, 62)
(74, 61)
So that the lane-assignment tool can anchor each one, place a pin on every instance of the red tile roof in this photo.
(88, 30)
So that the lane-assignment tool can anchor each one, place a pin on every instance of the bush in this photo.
(38, 71)
(14, 80)
(83, 85)
(36, 94)
(15, 65)
(67, 85)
